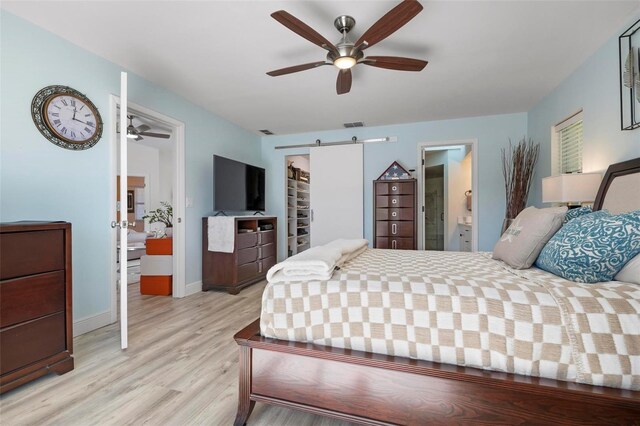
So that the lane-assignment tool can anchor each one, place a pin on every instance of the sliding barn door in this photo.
(336, 193)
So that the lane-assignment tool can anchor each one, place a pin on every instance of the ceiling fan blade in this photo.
(303, 30)
(155, 135)
(296, 68)
(143, 128)
(138, 138)
(395, 63)
(343, 84)
(389, 23)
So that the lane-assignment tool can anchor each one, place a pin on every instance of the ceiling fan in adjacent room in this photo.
(346, 54)
(137, 133)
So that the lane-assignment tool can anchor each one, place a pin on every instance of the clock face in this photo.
(70, 118)
(66, 117)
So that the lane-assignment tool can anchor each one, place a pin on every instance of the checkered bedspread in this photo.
(466, 309)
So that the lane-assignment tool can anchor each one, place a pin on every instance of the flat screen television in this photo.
(237, 186)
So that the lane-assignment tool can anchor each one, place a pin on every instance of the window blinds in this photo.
(569, 147)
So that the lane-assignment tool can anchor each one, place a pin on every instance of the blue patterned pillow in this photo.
(577, 212)
(593, 247)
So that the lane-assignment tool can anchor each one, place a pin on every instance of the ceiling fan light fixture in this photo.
(344, 62)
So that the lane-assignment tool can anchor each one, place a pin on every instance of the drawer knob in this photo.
(394, 214)
(394, 188)
(394, 228)
(394, 244)
(394, 201)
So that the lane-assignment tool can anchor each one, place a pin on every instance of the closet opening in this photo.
(298, 204)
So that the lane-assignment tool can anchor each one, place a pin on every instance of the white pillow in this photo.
(631, 271)
(521, 244)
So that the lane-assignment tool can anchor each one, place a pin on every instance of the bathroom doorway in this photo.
(447, 184)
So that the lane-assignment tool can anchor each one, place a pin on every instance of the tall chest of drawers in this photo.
(395, 225)
(36, 334)
(255, 250)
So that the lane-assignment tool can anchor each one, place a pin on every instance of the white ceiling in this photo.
(485, 57)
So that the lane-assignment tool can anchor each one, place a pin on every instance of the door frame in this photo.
(179, 191)
(474, 187)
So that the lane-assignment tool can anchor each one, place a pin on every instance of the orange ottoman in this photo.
(159, 246)
(156, 285)
(156, 268)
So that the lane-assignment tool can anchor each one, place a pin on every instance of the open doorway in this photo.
(447, 188)
(155, 175)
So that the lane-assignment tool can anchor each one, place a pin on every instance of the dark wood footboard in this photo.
(379, 390)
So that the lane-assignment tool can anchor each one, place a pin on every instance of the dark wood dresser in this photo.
(395, 214)
(36, 334)
(255, 251)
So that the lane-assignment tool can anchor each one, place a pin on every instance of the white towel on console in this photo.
(221, 233)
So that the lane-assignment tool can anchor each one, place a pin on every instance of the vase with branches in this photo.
(518, 165)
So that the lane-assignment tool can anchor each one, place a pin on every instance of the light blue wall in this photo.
(594, 87)
(41, 181)
(492, 132)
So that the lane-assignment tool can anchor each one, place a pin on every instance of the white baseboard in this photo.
(91, 323)
(193, 288)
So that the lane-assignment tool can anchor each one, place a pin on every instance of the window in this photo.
(566, 137)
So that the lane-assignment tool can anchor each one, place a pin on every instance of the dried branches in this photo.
(518, 164)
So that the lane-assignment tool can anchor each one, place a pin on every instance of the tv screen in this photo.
(237, 186)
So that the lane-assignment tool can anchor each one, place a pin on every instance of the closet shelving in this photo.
(298, 216)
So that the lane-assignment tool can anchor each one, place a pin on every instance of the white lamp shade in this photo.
(574, 187)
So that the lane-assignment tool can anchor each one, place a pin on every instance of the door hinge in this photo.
(422, 209)
(423, 161)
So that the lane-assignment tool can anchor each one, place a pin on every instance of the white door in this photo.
(336, 193)
(123, 213)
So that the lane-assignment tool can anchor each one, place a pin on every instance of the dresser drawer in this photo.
(394, 201)
(395, 243)
(29, 253)
(394, 188)
(247, 255)
(247, 239)
(406, 213)
(267, 250)
(27, 298)
(265, 264)
(246, 271)
(27, 343)
(394, 229)
(266, 237)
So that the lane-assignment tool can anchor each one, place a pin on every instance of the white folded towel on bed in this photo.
(317, 263)
(221, 233)
(349, 249)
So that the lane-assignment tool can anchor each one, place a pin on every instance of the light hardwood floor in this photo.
(180, 368)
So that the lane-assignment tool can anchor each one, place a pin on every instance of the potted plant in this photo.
(518, 165)
(163, 215)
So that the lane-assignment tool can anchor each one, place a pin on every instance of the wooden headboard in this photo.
(620, 188)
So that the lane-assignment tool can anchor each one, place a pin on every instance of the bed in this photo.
(324, 375)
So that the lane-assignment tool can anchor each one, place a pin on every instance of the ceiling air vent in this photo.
(266, 132)
(354, 124)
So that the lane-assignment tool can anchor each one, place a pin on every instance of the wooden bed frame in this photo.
(375, 389)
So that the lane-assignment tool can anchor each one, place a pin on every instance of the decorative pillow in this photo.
(592, 248)
(521, 243)
(577, 212)
(631, 271)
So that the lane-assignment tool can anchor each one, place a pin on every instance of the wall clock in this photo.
(66, 117)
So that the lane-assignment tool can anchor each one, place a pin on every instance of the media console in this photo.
(254, 252)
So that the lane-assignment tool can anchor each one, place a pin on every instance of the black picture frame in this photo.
(131, 199)
(629, 44)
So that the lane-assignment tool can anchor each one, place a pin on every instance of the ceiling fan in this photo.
(137, 133)
(346, 54)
